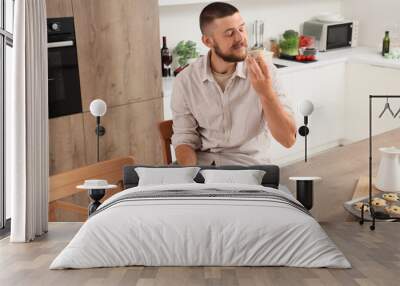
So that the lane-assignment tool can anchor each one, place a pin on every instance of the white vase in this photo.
(388, 178)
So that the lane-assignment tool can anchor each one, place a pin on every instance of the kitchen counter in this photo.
(339, 92)
(349, 55)
(362, 55)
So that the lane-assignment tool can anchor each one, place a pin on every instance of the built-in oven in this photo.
(63, 82)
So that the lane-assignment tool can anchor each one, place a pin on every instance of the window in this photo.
(6, 63)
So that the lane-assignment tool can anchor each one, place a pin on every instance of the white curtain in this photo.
(27, 124)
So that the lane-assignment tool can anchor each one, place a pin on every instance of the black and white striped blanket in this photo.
(205, 194)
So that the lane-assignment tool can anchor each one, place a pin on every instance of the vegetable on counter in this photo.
(289, 44)
(184, 51)
(306, 41)
(303, 58)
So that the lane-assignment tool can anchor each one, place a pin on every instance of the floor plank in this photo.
(375, 257)
(340, 169)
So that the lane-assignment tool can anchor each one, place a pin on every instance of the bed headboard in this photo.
(270, 179)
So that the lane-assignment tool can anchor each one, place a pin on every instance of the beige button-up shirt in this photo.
(227, 126)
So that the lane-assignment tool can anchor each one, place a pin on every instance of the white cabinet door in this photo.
(167, 92)
(326, 122)
(325, 88)
(365, 80)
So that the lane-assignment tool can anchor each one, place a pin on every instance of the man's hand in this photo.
(260, 76)
(280, 123)
(185, 155)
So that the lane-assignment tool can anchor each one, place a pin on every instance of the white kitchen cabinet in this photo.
(339, 85)
(329, 93)
(325, 87)
(362, 81)
(167, 84)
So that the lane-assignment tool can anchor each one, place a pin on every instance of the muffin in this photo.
(390, 197)
(358, 206)
(378, 202)
(393, 210)
(256, 53)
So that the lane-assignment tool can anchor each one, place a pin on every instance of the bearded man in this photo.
(227, 104)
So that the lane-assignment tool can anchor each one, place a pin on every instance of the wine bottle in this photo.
(166, 59)
(386, 44)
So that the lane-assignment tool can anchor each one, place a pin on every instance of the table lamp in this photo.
(98, 108)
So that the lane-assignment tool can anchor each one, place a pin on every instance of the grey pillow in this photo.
(248, 177)
(163, 176)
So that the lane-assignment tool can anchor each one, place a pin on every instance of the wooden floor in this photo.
(340, 169)
(375, 257)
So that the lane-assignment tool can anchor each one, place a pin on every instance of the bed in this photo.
(201, 224)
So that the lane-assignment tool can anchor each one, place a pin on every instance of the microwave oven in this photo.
(330, 36)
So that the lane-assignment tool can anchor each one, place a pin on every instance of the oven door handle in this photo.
(60, 44)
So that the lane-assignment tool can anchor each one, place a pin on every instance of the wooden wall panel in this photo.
(118, 46)
(130, 130)
(66, 140)
(59, 8)
(118, 50)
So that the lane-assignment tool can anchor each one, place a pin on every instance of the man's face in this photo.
(228, 38)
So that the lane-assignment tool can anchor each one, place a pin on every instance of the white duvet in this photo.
(200, 231)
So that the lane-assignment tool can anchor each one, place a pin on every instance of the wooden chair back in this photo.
(165, 129)
(63, 185)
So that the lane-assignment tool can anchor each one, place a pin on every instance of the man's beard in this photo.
(230, 58)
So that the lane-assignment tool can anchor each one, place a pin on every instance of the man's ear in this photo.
(208, 41)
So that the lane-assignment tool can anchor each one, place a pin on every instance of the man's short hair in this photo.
(214, 11)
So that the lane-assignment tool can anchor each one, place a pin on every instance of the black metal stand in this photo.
(304, 193)
(304, 131)
(371, 207)
(100, 131)
(96, 195)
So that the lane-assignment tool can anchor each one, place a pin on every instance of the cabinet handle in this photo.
(60, 44)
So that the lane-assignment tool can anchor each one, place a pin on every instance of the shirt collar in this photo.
(207, 73)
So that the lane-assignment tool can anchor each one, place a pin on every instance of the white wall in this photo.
(375, 17)
(182, 22)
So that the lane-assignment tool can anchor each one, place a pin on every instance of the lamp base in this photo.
(96, 195)
(304, 131)
(100, 130)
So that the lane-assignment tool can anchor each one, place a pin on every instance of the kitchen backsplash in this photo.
(375, 17)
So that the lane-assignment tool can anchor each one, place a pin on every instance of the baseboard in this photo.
(312, 152)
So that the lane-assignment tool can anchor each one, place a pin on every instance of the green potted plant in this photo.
(289, 43)
(184, 51)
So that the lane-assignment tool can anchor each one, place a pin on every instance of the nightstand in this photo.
(96, 190)
(304, 190)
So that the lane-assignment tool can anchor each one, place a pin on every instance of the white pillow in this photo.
(248, 177)
(163, 176)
